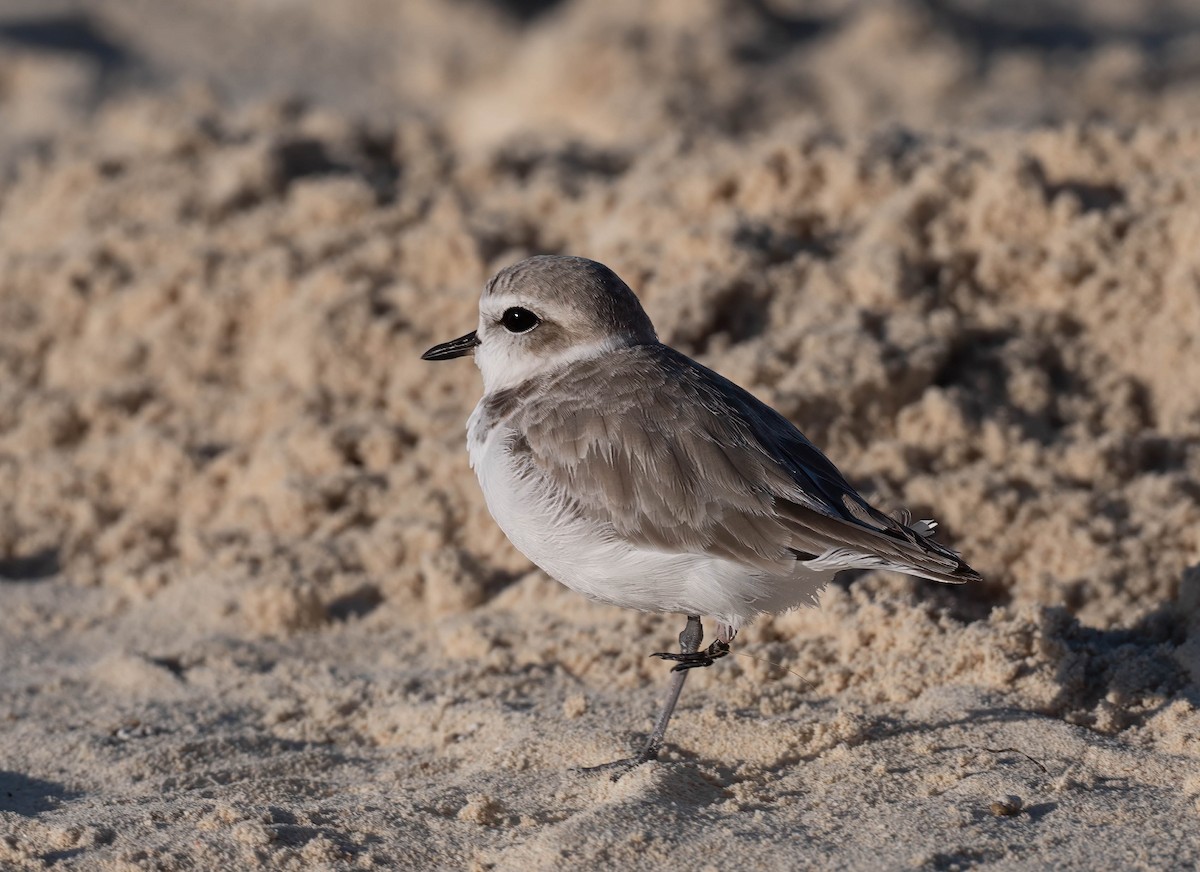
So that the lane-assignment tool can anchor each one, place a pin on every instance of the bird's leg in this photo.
(690, 656)
(689, 645)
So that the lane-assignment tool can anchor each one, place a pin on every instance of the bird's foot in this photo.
(617, 768)
(696, 659)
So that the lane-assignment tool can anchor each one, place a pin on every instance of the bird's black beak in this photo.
(459, 347)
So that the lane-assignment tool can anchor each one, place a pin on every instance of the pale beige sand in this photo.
(253, 612)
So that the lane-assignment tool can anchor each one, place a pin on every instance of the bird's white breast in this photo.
(536, 520)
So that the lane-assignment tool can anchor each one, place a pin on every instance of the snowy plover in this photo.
(638, 477)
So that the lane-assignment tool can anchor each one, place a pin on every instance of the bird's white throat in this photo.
(505, 361)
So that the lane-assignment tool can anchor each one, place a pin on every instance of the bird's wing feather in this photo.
(712, 471)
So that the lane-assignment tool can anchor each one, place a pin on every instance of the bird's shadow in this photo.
(28, 796)
(37, 566)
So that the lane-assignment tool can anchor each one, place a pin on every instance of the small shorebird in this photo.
(636, 476)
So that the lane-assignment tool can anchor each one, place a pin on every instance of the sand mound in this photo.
(255, 610)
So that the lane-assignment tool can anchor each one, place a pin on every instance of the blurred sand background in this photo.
(253, 612)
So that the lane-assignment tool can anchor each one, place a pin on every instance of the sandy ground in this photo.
(253, 612)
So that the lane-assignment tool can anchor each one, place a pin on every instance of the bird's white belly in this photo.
(591, 559)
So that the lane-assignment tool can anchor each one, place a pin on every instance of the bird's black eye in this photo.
(518, 320)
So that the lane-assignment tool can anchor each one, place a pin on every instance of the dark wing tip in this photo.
(961, 573)
(966, 573)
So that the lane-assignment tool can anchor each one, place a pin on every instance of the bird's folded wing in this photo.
(674, 457)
